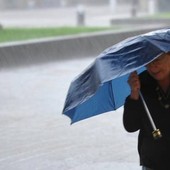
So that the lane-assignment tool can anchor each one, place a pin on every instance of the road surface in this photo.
(35, 135)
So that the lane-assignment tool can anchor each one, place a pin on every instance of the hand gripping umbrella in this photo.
(102, 86)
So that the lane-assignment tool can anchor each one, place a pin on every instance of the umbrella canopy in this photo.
(102, 87)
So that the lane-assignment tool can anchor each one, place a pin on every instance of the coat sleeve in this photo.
(132, 116)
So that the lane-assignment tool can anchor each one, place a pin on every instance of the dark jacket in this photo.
(153, 153)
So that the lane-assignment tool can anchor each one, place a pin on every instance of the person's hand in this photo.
(134, 84)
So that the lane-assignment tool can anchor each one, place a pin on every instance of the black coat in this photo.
(153, 153)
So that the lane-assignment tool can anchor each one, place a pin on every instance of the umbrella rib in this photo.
(114, 103)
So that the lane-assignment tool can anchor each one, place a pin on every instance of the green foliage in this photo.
(17, 34)
(163, 15)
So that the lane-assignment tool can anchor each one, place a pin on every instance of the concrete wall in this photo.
(51, 50)
(140, 21)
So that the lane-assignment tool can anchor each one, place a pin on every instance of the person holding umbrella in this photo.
(154, 85)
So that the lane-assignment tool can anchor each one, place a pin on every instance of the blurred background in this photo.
(73, 12)
(44, 45)
(144, 5)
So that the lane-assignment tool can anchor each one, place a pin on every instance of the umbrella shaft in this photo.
(148, 113)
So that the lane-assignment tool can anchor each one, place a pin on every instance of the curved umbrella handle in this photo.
(156, 132)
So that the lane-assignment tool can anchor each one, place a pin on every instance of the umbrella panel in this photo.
(103, 87)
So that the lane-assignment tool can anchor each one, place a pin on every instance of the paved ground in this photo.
(35, 135)
(94, 16)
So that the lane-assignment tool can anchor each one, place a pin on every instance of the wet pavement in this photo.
(35, 135)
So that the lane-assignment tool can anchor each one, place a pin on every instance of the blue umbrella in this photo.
(102, 87)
